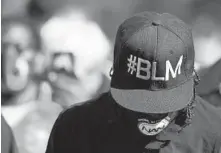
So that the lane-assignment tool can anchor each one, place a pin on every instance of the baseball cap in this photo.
(153, 64)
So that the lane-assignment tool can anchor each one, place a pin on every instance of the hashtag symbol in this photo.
(131, 64)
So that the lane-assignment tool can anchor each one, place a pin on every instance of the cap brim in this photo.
(162, 101)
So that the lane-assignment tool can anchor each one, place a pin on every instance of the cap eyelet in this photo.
(155, 24)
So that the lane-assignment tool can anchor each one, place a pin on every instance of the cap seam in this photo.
(136, 31)
(123, 44)
(177, 85)
(186, 47)
(159, 89)
(174, 33)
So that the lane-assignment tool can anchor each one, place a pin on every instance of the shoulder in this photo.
(84, 112)
(208, 115)
(207, 109)
(73, 125)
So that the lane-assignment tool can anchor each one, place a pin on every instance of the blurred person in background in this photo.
(77, 53)
(17, 53)
(207, 34)
(8, 144)
(151, 106)
(30, 118)
(26, 72)
(55, 74)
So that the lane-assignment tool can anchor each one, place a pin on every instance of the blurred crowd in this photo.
(55, 55)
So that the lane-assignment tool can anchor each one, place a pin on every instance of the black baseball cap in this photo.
(153, 64)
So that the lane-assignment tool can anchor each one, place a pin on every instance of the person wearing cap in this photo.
(151, 105)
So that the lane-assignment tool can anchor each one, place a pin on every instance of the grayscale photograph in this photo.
(110, 76)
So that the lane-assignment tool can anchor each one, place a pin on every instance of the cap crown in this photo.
(152, 51)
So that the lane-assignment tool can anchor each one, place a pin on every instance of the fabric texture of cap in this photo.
(153, 64)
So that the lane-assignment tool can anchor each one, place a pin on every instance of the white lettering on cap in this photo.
(169, 69)
(142, 68)
(154, 71)
(146, 69)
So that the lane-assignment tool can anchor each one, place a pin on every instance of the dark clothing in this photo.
(97, 126)
(208, 87)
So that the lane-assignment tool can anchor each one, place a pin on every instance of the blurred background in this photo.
(55, 53)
